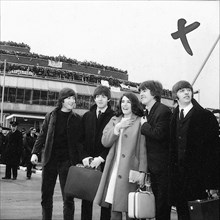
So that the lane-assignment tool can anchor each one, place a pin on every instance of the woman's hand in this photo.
(124, 124)
(141, 179)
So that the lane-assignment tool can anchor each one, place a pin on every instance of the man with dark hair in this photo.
(94, 121)
(155, 128)
(13, 150)
(194, 150)
(60, 137)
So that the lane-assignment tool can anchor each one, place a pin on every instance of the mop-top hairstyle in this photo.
(180, 85)
(102, 90)
(63, 94)
(155, 88)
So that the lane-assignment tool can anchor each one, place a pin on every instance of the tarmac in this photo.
(20, 199)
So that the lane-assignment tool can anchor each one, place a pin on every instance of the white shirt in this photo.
(102, 110)
(186, 109)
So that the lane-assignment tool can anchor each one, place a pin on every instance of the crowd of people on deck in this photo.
(178, 148)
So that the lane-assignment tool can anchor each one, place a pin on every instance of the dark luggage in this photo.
(207, 209)
(82, 183)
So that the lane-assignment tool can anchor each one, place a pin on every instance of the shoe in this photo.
(28, 178)
(14, 178)
(6, 178)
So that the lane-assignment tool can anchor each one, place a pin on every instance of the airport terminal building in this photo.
(30, 83)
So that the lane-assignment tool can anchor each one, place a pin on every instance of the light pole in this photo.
(3, 92)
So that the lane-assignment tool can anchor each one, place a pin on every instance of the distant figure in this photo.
(23, 161)
(13, 151)
(195, 150)
(28, 142)
(60, 138)
(2, 143)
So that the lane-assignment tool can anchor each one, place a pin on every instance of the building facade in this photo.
(30, 83)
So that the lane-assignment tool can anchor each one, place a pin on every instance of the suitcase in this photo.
(141, 204)
(82, 183)
(207, 209)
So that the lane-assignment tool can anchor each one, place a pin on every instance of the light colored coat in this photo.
(133, 157)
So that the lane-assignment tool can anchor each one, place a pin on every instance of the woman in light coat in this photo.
(127, 152)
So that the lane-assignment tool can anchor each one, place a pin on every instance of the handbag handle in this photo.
(147, 185)
(81, 165)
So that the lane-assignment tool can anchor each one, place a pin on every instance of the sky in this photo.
(129, 35)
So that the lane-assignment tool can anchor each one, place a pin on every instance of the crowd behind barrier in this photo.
(62, 58)
(59, 74)
(14, 44)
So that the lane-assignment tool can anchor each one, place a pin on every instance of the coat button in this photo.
(123, 155)
(119, 176)
(126, 135)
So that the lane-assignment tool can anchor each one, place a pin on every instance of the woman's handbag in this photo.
(141, 204)
(82, 183)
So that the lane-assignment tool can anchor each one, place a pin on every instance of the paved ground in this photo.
(20, 199)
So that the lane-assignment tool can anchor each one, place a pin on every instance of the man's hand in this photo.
(143, 120)
(34, 159)
(96, 162)
(86, 161)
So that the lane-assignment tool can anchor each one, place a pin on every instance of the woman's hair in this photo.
(136, 107)
(155, 88)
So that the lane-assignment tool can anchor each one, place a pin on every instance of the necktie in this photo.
(146, 112)
(99, 114)
(181, 115)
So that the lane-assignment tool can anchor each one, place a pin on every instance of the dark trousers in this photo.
(14, 169)
(86, 211)
(49, 176)
(183, 211)
(29, 168)
(159, 183)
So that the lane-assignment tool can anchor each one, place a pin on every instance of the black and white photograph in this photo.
(110, 109)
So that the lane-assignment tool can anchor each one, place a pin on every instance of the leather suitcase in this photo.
(141, 205)
(204, 209)
(82, 183)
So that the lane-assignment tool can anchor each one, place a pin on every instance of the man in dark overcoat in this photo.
(194, 158)
(13, 151)
(59, 139)
(155, 128)
(94, 121)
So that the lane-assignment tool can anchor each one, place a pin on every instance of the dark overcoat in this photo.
(28, 142)
(13, 148)
(201, 160)
(156, 131)
(92, 133)
(46, 136)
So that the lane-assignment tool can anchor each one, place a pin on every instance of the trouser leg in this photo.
(15, 171)
(159, 183)
(8, 171)
(105, 213)
(49, 176)
(86, 210)
(29, 168)
(68, 201)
